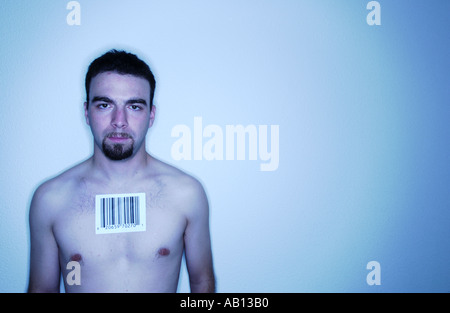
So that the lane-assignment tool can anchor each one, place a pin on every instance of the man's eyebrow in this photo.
(102, 99)
(137, 100)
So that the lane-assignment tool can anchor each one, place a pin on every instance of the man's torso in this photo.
(121, 262)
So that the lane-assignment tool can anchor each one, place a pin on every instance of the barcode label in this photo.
(120, 213)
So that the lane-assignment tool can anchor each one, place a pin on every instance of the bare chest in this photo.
(76, 230)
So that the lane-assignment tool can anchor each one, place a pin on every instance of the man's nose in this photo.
(119, 119)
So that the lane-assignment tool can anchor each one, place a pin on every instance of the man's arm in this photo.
(44, 264)
(198, 243)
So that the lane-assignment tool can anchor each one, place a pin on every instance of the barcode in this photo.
(120, 213)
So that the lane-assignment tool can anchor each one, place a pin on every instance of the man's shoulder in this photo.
(178, 183)
(53, 192)
(175, 177)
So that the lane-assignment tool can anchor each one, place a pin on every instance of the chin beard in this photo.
(117, 151)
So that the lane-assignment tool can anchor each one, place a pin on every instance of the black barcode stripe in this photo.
(133, 211)
(116, 211)
(126, 211)
(102, 211)
(137, 211)
(119, 207)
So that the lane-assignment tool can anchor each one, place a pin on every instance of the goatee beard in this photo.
(118, 151)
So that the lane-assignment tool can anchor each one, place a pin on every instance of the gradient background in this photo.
(364, 130)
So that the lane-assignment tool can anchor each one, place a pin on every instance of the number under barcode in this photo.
(120, 213)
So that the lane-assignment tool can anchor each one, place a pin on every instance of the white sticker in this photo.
(120, 213)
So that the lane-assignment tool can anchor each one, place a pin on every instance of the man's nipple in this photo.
(76, 257)
(163, 252)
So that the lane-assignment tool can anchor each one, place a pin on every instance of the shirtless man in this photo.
(119, 111)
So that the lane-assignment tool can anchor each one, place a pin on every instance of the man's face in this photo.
(119, 113)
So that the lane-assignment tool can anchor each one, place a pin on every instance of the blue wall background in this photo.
(363, 113)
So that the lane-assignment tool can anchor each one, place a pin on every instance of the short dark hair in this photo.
(121, 62)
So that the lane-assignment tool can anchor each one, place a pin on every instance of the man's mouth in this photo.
(118, 137)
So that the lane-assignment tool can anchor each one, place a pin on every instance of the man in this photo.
(92, 222)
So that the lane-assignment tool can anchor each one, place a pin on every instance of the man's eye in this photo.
(102, 105)
(135, 107)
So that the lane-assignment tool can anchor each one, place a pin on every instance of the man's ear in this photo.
(152, 116)
(86, 115)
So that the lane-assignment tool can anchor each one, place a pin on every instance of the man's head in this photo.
(119, 108)
(120, 62)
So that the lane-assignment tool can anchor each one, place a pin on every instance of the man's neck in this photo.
(126, 170)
